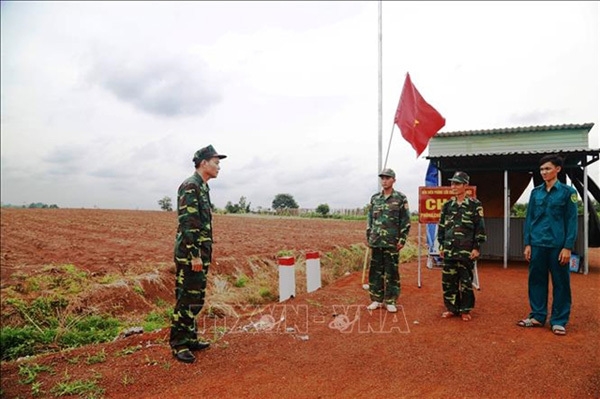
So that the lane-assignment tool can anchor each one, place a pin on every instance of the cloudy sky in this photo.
(104, 103)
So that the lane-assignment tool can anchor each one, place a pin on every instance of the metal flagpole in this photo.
(380, 105)
(380, 131)
(380, 100)
(389, 145)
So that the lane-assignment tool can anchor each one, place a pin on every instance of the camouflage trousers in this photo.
(190, 288)
(457, 285)
(384, 277)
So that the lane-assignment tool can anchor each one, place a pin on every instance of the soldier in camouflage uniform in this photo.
(193, 253)
(461, 232)
(388, 223)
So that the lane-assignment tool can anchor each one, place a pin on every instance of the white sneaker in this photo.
(391, 308)
(374, 305)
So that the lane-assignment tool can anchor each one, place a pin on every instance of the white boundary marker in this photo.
(287, 278)
(313, 271)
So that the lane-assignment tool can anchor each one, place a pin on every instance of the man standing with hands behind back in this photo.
(193, 253)
(388, 224)
(461, 232)
(549, 236)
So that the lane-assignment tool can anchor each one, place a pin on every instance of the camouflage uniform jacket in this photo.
(194, 233)
(388, 220)
(461, 228)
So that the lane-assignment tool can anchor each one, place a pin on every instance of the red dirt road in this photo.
(318, 345)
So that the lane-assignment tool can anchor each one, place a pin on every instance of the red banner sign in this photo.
(431, 200)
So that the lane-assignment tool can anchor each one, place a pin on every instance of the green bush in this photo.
(17, 342)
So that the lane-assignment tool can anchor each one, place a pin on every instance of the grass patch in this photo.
(64, 279)
(83, 388)
(138, 289)
(129, 350)
(157, 319)
(42, 313)
(241, 281)
(127, 380)
(29, 372)
(49, 326)
(109, 278)
(99, 357)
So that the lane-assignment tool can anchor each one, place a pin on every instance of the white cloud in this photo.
(104, 103)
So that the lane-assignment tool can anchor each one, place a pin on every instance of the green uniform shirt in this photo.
(194, 210)
(551, 219)
(388, 220)
(461, 228)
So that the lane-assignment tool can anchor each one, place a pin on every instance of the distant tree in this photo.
(33, 205)
(244, 208)
(39, 205)
(323, 209)
(240, 207)
(165, 204)
(231, 208)
(283, 201)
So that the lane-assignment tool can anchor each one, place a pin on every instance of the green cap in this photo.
(388, 172)
(207, 152)
(460, 177)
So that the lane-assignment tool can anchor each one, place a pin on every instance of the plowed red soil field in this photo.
(323, 344)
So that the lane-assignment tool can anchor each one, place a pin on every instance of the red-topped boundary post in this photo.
(287, 278)
(313, 271)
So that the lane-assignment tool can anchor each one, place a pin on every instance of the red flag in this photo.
(417, 120)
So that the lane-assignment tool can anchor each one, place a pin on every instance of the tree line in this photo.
(33, 205)
(283, 202)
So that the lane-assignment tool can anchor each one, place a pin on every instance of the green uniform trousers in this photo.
(384, 277)
(190, 288)
(457, 285)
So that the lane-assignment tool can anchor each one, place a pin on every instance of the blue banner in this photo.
(431, 180)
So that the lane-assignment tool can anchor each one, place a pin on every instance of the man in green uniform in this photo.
(461, 232)
(388, 224)
(193, 253)
(549, 236)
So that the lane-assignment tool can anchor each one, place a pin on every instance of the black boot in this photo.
(198, 345)
(184, 355)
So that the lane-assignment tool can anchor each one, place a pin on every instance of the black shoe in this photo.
(198, 346)
(184, 355)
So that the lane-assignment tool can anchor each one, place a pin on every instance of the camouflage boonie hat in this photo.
(388, 172)
(207, 152)
(460, 177)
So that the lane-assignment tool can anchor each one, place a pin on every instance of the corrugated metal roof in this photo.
(582, 151)
(522, 129)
